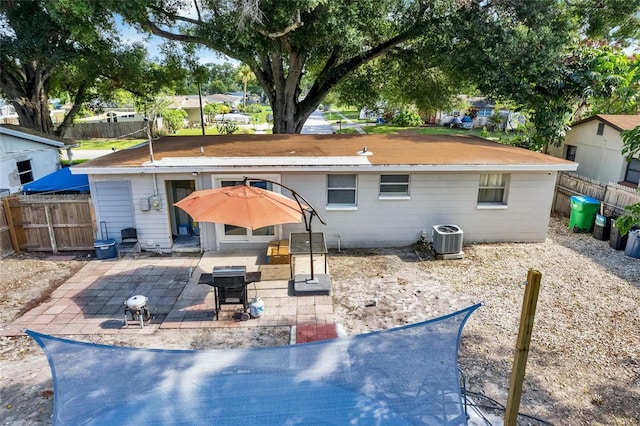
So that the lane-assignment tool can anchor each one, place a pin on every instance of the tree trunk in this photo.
(281, 83)
(27, 90)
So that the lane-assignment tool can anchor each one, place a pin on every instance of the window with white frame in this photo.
(233, 231)
(485, 112)
(394, 185)
(24, 171)
(493, 188)
(341, 190)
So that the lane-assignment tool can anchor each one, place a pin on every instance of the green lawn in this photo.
(109, 143)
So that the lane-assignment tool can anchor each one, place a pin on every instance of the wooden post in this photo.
(12, 230)
(522, 347)
(52, 234)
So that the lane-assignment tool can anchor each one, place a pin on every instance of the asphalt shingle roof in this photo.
(402, 149)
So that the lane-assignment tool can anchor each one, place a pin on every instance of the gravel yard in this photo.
(583, 365)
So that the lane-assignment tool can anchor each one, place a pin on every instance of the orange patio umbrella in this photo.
(242, 205)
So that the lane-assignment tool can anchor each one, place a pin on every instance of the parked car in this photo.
(236, 118)
(455, 122)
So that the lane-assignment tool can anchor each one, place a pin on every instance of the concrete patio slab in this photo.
(93, 300)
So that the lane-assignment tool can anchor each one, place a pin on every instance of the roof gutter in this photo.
(329, 168)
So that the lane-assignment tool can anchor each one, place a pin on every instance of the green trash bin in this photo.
(583, 213)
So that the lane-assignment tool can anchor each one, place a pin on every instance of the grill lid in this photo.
(229, 271)
(136, 302)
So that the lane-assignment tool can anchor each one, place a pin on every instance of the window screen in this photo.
(341, 189)
(492, 188)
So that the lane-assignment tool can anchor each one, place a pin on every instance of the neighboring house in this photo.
(484, 108)
(191, 105)
(113, 117)
(228, 99)
(386, 195)
(27, 155)
(595, 144)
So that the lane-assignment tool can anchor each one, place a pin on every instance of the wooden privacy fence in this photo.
(6, 248)
(107, 130)
(615, 197)
(47, 223)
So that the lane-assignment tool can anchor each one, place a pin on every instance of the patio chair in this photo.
(129, 243)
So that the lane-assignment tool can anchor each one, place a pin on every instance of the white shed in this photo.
(27, 155)
(595, 143)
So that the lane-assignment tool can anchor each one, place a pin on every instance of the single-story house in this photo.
(596, 144)
(371, 190)
(113, 117)
(191, 104)
(27, 155)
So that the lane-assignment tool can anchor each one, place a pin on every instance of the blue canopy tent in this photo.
(402, 376)
(61, 181)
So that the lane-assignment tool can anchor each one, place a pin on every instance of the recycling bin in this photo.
(105, 249)
(602, 228)
(617, 241)
(583, 213)
(632, 248)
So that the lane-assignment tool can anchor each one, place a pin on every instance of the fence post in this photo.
(522, 347)
(10, 224)
(52, 234)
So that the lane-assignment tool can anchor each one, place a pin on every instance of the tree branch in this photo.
(296, 24)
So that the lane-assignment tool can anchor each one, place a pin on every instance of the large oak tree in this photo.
(68, 48)
(323, 41)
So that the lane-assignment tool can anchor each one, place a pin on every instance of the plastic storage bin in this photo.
(616, 241)
(632, 247)
(602, 228)
(583, 213)
(105, 249)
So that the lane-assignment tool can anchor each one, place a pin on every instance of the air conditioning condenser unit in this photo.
(447, 239)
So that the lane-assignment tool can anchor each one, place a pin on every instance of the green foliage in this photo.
(212, 109)
(227, 128)
(253, 109)
(629, 219)
(109, 144)
(495, 120)
(631, 143)
(173, 119)
(407, 119)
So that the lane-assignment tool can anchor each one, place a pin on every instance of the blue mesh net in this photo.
(406, 375)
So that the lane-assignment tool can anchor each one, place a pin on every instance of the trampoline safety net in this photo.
(401, 376)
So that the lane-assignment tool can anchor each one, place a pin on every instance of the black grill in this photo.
(230, 285)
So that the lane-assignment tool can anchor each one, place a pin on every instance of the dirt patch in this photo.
(583, 366)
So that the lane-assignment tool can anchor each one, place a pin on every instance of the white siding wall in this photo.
(44, 160)
(599, 156)
(115, 212)
(437, 198)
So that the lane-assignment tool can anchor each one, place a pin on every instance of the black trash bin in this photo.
(602, 228)
(616, 241)
(632, 248)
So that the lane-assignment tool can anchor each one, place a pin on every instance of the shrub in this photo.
(407, 119)
(253, 108)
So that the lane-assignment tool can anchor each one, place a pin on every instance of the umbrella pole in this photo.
(311, 280)
(312, 212)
